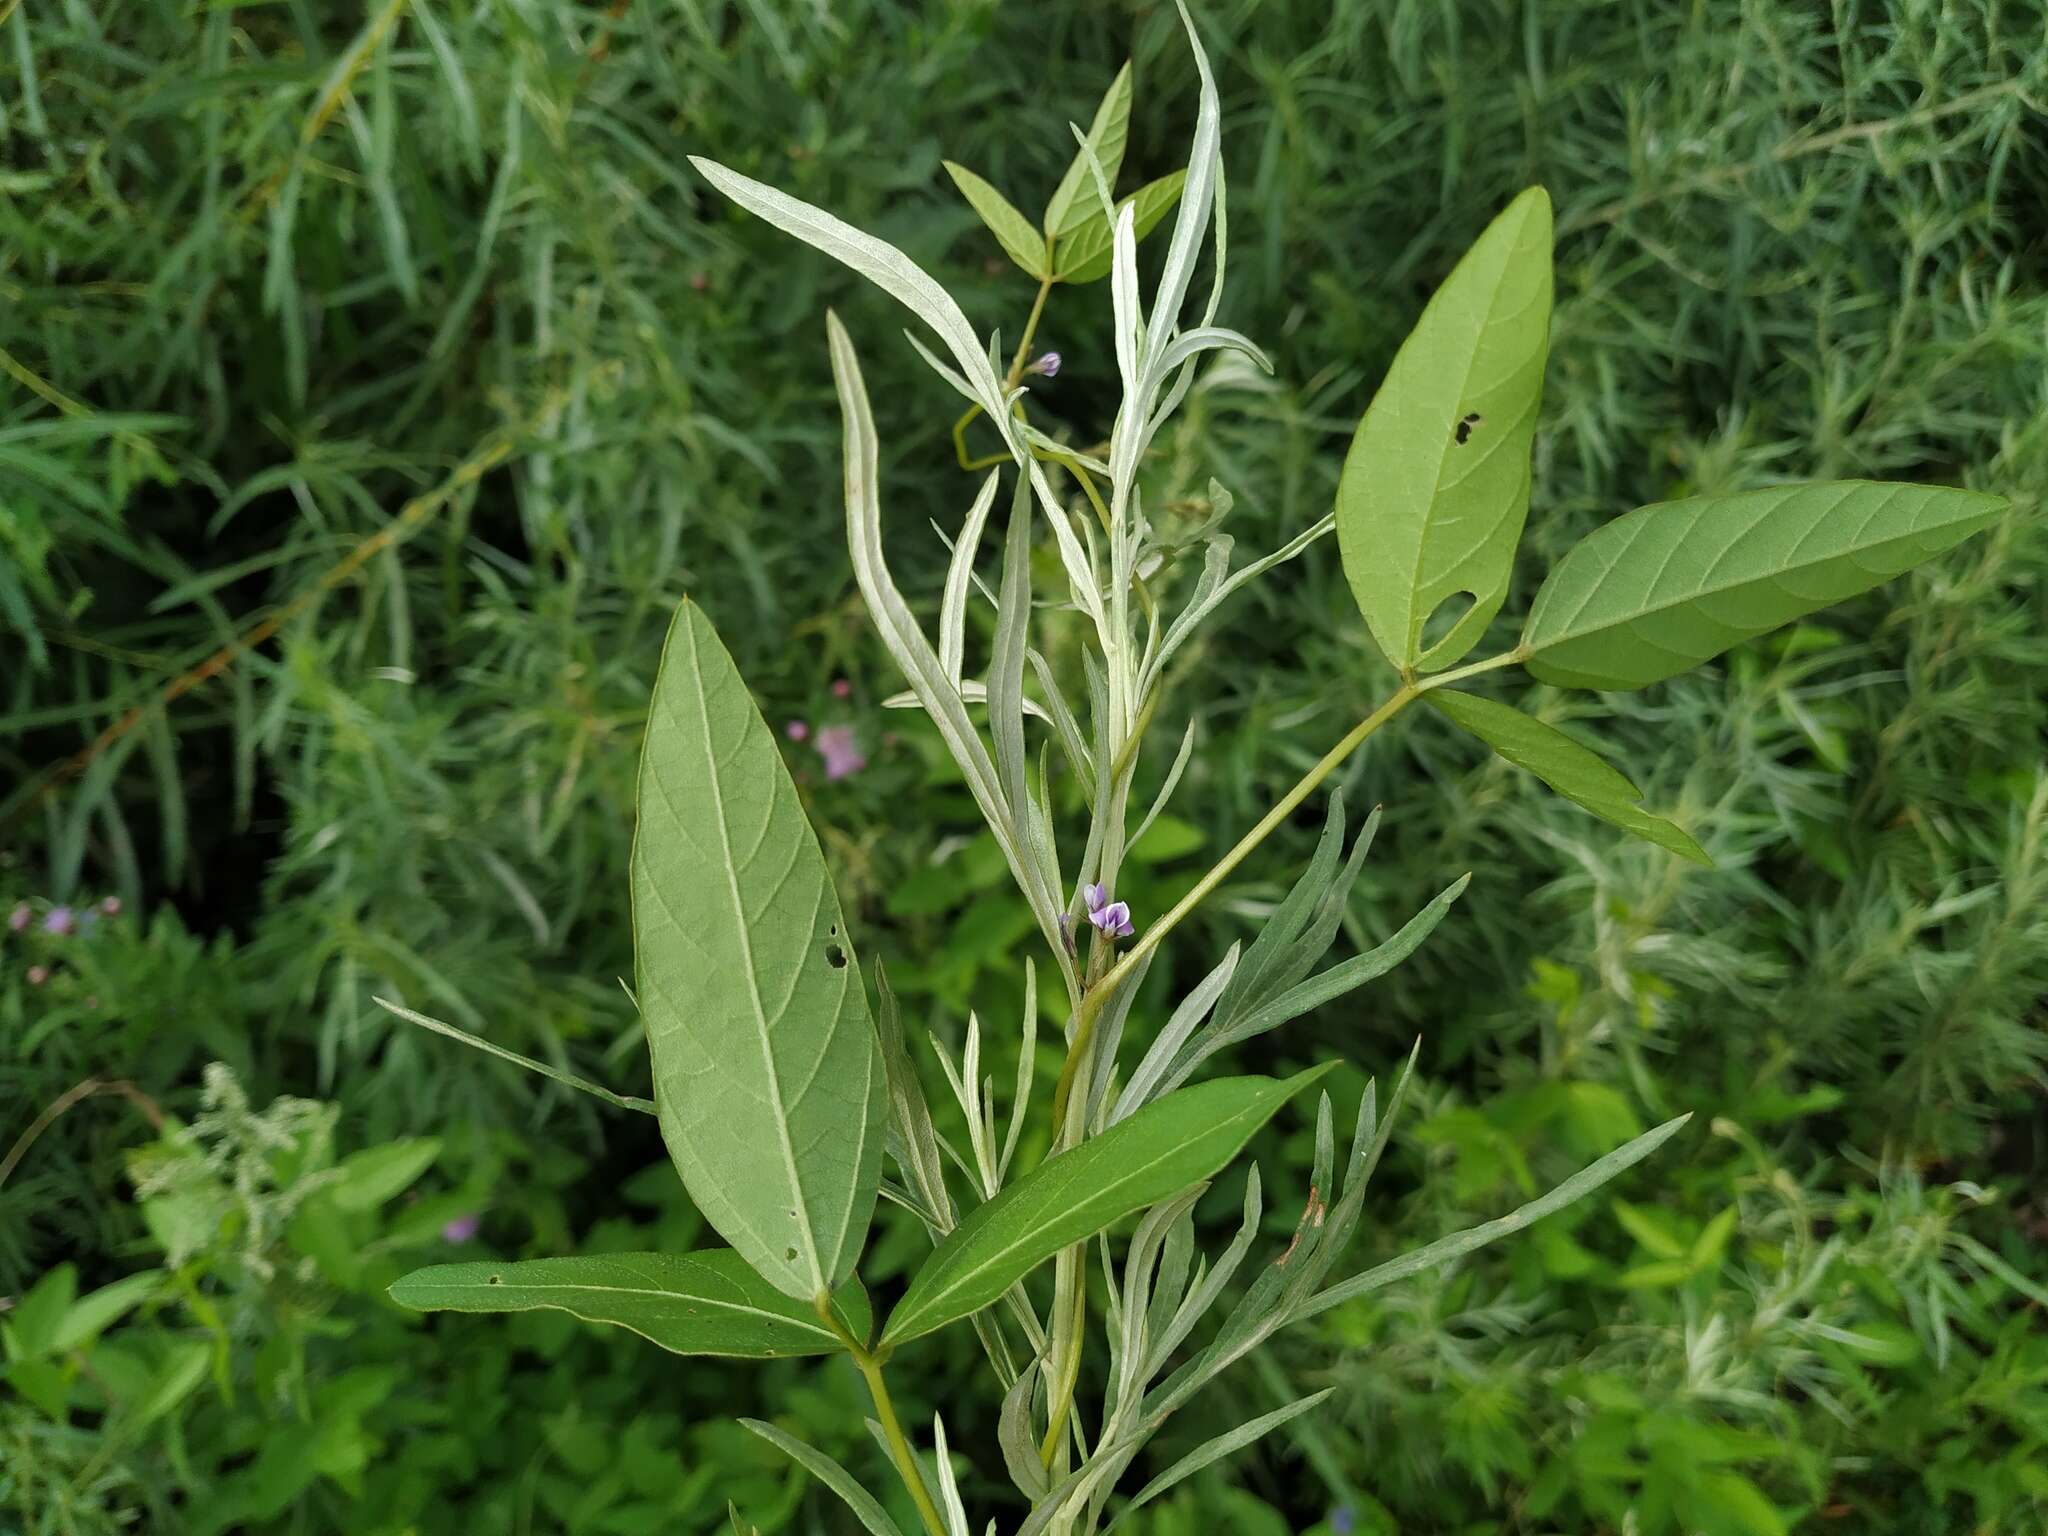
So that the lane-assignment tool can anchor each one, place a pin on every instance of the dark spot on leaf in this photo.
(1463, 431)
(789, 1255)
(835, 957)
(497, 1279)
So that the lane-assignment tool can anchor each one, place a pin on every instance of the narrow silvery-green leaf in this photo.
(767, 1078)
(1210, 1451)
(866, 1509)
(959, 577)
(709, 1303)
(1083, 254)
(1075, 197)
(1024, 245)
(923, 668)
(1016, 1437)
(1665, 587)
(876, 260)
(1156, 1153)
(1581, 775)
(1436, 486)
(490, 1048)
(1458, 1244)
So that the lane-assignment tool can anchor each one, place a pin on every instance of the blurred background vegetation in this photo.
(399, 341)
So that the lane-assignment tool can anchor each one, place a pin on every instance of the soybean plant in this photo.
(783, 1077)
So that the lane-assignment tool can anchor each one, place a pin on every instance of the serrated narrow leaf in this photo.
(864, 1505)
(1578, 773)
(1665, 587)
(1025, 246)
(1075, 197)
(708, 1303)
(1436, 486)
(1083, 255)
(767, 1076)
(1159, 1151)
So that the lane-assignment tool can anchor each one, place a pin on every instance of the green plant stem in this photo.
(1062, 1400)
(1097, 995)
(1010, 379)
(870, 1367)
(899, 1444)
(1030, 331)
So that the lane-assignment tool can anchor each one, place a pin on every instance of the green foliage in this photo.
(1789, 241)
(1152, 1156)
(709, 1303)
(1664, 588)
(1576, 772)
(766, 1076)
(1436, 485)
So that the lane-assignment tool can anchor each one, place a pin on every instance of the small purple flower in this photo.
(20, 918)
(1047, 365)
(841, 752)
(796, 730)
(841, 688)
(60, 922)
(461, 1229)
(1112, 917)
(1343, 1521)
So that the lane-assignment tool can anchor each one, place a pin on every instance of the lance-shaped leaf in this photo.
(1576, 772)
(767, 1077)
(1665, 587)
(1212, 1451)
(1445, 1249)
(1025, 246)
(708, 1303)
(1436, 486)
(866, 1508)
(1084, 255)
(1075, 197)
(1158, 1152)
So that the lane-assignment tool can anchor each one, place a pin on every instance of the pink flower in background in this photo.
(38, 974)
(60, 922)
(796, 730)
(461, 1229)
(841, 752)
(841, 688)
(20, 918)
(111, 906)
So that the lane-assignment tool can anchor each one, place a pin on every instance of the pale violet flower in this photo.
(841, 752)
(1112, 917)
(60, 921)
(460, 1229)
(1048, 365)
(796, 730)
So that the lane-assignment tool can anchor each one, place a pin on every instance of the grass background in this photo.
(405, 332)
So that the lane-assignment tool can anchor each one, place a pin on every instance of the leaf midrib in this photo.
(746, 944)
(961, 1280)
(519, 1287)
(1717, 589)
